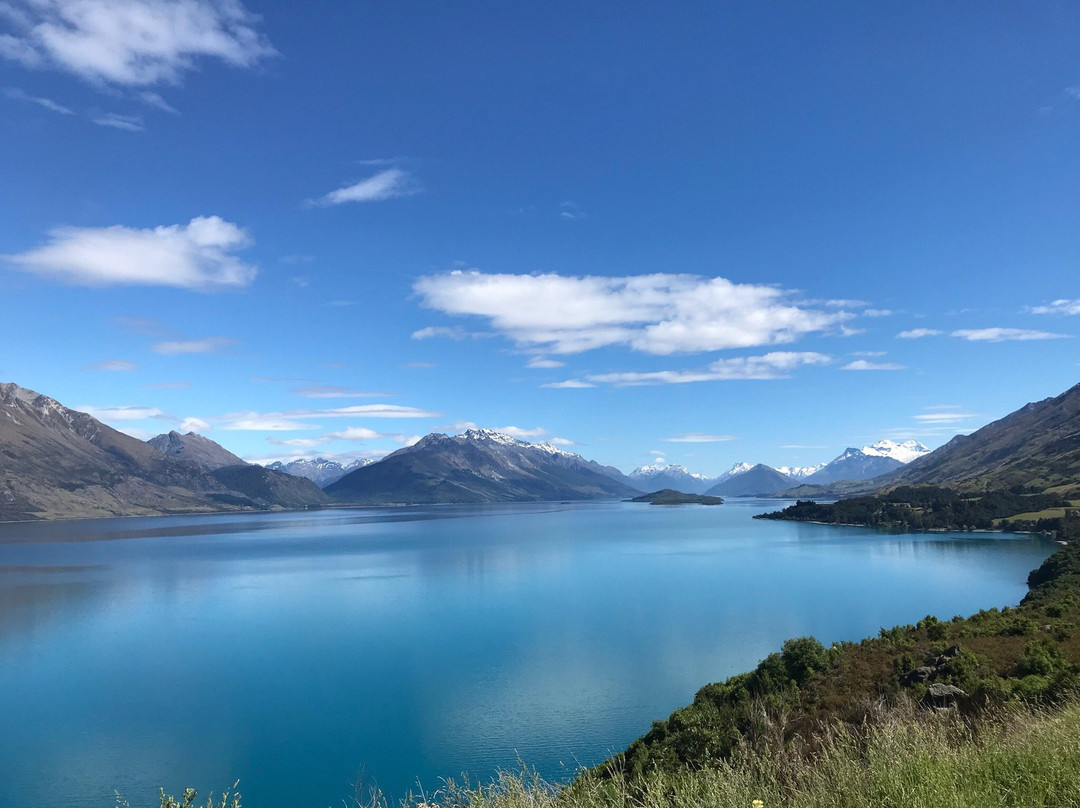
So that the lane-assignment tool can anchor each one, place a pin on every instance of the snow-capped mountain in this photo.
(319, 470)
(755, 481)
(868, 462)
(799, 472)
(480, 465)
(904, 452)
(656, 478)
(738, 468)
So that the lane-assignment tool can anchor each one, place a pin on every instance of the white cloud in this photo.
(129, 123)
(568, 210)
(544, 362)
(864, 364)
(197, 255)
(369, 411)
(110, 414)
(390, 184)
(194, 425)
(1004, 334)
(262, 422)
(943, 417)
(114, 365)
(47, 103)
(657, 314)
(156, 101)
(306, 443)
(132, 43)
(561, 442)
(876, 312)
(356, 433)
(698, 437)
(569, 384)
(1058, 307)
(193, 346)
(775, 365)
(455, 332)
(184, 385)
(520, 432)
(332, 391)
(919, 333)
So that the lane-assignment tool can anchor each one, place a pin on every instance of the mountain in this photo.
(320, 471)
(479, 466)
(868, 462)
(1037, 447)
(800, 472)
(196, 448)
(738, 468)
(904, 452)
(56, 462)
(268, 488)
(758, 481)
(655, 478)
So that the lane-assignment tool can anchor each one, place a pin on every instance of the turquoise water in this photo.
(297, 651)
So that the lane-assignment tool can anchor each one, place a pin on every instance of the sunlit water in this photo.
(295, 651)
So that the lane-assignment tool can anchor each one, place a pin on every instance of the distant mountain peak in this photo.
(905, 451)
(492, 435)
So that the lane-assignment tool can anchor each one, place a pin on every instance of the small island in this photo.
(669, 496)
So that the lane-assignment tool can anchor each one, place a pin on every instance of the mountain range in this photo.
(320, 471)
(480, 466)
(59, 463)
(56, 462)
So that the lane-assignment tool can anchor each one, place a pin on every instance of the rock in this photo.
(952, 651)
(920, 674)
(941, 696)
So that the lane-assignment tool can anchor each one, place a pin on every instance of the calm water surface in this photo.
(294, 651)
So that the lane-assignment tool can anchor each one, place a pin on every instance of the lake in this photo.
(299, 651)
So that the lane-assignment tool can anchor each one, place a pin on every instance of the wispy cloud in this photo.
(183, 385)
(944, 417)
(919, 333)
(1004, 334)
(198, 255)
(544, 362)
(194, 425)
(865, 364)
(332, 391)
(569, 384)
(19, 95)
(131, 43)
(152, 99)
(113, 365)
(568, 210)
(193, 346)
(454, 332)
(129, 123)
(110, 414)
(774, 365)
(698, 437)
(1062, 306)
(262, 422)
(657, 314)
(390, 184)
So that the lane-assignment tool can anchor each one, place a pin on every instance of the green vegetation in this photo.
(669, 496)
(928, 508)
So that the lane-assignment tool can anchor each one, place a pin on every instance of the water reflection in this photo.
(292, 649)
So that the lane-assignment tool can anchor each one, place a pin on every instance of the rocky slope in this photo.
(479, 466)
(56, 462)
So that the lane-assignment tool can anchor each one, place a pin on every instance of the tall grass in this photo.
(902, 757)
(905, 758)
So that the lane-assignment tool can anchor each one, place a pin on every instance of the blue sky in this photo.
(700, 232)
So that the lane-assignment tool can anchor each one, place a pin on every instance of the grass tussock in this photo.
(908, 758)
